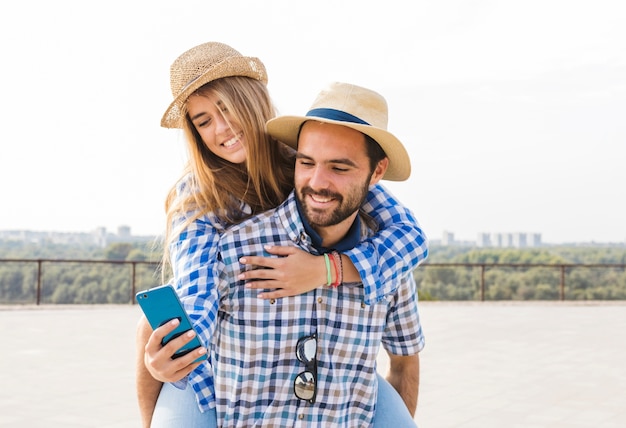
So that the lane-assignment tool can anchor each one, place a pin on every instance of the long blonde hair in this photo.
(220, 187)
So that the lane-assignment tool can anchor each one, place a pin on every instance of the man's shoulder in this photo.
(254, 226)
(265, 224)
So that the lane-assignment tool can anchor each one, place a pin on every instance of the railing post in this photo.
(482, 282)
(38, 297)
(562, 282)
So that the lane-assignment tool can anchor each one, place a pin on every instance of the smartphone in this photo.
(161, 305)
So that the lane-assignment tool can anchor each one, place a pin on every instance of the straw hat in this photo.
(203, 64)
(357, 108)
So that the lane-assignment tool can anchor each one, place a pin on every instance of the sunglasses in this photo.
(305, 384)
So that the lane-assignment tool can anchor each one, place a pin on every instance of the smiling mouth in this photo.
(236, 139)
(320, 199)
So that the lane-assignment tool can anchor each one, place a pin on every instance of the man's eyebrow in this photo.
(343, 161)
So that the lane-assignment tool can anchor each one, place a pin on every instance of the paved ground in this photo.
(553, 365)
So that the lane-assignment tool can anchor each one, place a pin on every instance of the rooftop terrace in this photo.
(486, 364)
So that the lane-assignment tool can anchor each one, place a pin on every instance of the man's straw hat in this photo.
(203, 64)
(357, 108)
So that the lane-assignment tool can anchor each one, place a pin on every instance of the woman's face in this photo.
(217, 127)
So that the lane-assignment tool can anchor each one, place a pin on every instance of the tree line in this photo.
(92, 283)
(73, 282)
(524, 283)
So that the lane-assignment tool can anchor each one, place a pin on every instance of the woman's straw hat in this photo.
(203, 64)
(357, 108)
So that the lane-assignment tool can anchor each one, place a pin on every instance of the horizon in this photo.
(437, 240)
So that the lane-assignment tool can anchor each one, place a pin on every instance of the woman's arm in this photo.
(398, 247)
(395, 250)
(190, 256)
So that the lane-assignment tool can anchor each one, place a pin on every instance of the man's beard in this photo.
(346, 206)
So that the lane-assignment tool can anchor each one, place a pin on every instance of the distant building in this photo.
(447, 238)
(123, 232)
(483, 240)
(519, 240)
(535, 240)
(98, 236)
(496, 240)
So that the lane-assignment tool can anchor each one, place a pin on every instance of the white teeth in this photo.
(319, 199)
(232, 141)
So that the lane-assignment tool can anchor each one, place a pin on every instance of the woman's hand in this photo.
(158, 359)
(294, 272)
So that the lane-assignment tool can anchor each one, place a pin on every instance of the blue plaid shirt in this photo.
(253, 351)
(382, 259)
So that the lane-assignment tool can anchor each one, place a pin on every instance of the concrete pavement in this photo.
(538, 364)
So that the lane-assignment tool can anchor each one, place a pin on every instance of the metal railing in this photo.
(40, 262)
(561, 267)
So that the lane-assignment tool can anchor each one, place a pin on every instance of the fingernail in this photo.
(201, 351)
(267, 247)
(175, 321)
(191, 333)
(242, 260)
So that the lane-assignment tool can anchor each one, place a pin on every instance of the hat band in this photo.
(332, 114)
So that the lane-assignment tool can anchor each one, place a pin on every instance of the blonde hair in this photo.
(220, 187)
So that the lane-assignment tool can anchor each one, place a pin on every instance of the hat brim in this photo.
(286, 129)
(237, 66)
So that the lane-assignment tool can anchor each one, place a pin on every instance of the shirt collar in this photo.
(348, 242)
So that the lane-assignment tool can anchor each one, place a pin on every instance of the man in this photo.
(310, 360)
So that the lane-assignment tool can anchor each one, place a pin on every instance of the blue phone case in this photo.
(160, 305)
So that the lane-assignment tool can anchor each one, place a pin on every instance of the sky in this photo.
(512, 111)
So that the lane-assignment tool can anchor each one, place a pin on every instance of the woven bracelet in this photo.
(328, 274)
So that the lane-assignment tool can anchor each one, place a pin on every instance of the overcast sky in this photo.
(512, 111)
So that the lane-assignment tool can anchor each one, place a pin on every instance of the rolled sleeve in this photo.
(403, 333)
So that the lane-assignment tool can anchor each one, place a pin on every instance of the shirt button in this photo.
(301, 416)
(320, 300)
(363, 305)
(272, 301)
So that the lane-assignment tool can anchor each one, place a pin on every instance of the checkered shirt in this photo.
(254, 348)
(382, 260)
(398, 247)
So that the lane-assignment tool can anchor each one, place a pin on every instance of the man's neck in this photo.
(333, 235)
(343, 236)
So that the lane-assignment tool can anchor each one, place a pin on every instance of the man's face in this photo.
(332, 175)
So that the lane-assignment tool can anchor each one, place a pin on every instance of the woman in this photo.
(236, 170)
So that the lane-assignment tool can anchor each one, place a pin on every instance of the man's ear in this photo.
(379, 171)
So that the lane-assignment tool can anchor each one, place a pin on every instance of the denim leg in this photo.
(390, 409)
(177, 408)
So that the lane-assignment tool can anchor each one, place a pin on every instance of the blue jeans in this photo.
(178, 408)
